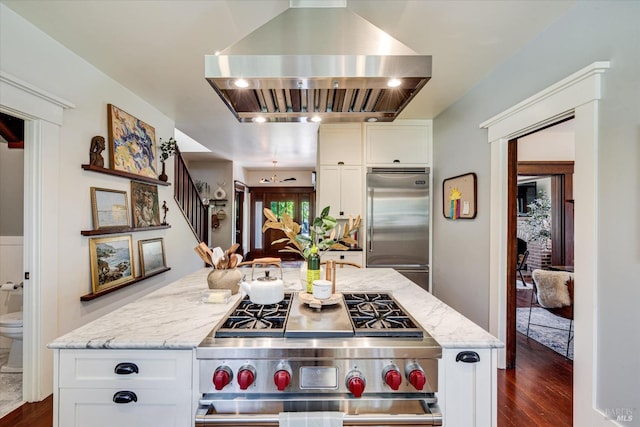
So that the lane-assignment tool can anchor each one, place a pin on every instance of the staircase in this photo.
(188, 199)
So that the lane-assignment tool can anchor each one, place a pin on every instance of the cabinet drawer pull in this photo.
(396, 161)
(125, 397)
(341, 163)
(126, 368)
(468, 357)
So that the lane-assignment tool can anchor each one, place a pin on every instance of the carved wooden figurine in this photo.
(97, 147)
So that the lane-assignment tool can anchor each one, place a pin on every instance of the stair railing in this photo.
(188, 199)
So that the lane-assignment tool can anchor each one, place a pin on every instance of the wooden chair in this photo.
(565, 312)
(522, 265)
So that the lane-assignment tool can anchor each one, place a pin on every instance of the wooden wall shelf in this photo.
(124, 174)
(93, 296)
(116, 230)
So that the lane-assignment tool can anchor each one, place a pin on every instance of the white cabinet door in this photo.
(340, 187)
(397, 144)
(340, 144)
(152, 388)
(350, 191)
(467, 391)
(95, 408)
(328, 193)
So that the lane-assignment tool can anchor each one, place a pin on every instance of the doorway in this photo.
(12, 245)
(577, 95)
(541, 166)
(298, 202)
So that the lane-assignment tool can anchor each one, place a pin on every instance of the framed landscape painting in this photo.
(144, 203)
(111, 262)
(132, 144)
(152, 256)
(110, 208)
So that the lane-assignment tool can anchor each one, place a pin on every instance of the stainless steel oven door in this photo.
(264, 411)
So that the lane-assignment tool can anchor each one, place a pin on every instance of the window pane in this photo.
(257, 224)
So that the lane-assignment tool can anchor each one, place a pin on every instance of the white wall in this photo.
(303, 178)
(217, 174)
(589, 32)
(24, 51)
(11, 190)
(555, 143)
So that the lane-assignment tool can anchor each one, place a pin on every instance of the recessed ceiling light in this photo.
(372, 119)
(394, 82)
(241, 83)
(316, 119)
(259, 119)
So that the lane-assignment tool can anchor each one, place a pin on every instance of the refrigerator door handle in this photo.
(370, 221)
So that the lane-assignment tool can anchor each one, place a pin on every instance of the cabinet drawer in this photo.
(351, 256)
(152, 408)
(155, 368)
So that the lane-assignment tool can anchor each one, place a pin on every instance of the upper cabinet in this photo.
(340, 144)
(401, 143)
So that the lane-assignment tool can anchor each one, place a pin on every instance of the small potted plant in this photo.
(167, 149)
(324, 234)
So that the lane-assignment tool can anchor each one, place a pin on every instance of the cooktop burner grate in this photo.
(378, 314)
(249, 319)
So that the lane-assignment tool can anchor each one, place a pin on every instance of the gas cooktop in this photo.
(356, 314)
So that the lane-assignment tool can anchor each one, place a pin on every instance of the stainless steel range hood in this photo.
(310, 63)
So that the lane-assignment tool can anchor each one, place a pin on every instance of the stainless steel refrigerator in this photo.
(398, 221)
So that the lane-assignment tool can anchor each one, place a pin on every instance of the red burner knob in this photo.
(417, 379)
(355, 384)
(246, 376)
(393, 378)
(282, 379)
(221, 377)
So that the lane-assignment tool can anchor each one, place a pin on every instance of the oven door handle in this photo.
(434, 419)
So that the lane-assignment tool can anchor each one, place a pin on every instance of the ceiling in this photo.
(467, 40)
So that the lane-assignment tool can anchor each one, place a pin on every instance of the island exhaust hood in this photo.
(317, 64)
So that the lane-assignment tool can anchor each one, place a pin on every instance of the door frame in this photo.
(43, 115)
(577, 95)
(261, 192)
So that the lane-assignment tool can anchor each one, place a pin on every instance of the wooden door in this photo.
(298, 202)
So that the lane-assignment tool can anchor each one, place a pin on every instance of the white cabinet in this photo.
(350, 256)
(124, 388)
(400, 143)
(340, 187)
(467, 389)
(340, 144)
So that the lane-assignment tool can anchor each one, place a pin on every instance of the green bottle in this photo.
(313, 268)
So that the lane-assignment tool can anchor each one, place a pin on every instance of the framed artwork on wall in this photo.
(110, 208)
(111, 262)
(144, 204)
(152, 256)
(459, 197)
(132, 144)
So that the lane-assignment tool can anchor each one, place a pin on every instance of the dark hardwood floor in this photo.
(39, 414)
(539, 392)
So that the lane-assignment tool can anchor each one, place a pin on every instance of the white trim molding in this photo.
(43, 115)
(576, 95)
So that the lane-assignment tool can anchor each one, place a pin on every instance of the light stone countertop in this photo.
(174, 317)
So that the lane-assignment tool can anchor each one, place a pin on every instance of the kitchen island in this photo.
(161, 331)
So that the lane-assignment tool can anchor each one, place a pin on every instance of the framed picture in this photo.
(111, 262)
(151, 255)
(110, 208)
(459, 197)
(132, 144)
(144, 204)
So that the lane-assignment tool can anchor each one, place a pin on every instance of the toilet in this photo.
(11, 327)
